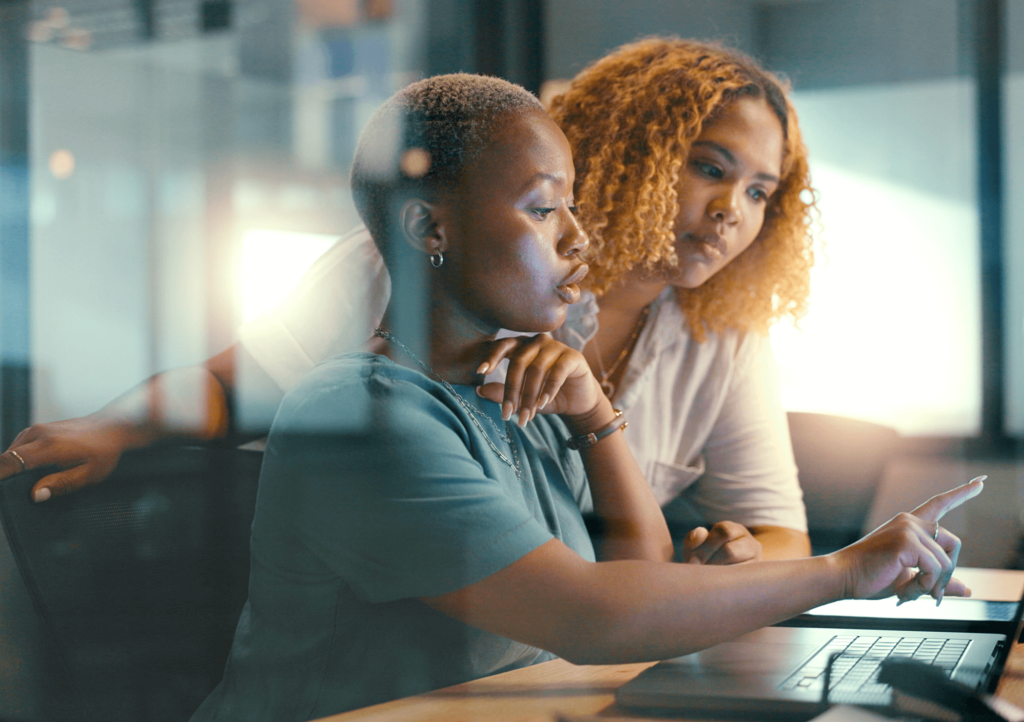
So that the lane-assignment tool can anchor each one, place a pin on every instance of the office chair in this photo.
(138, 580)
(840, 462)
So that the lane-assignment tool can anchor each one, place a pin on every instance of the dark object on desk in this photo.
(139, 580)
(928, 683)
(840, 462)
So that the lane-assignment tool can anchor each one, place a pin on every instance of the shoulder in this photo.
(732, 346)
(347, 391)
(356, 241)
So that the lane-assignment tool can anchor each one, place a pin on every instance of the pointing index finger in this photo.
(940, 504)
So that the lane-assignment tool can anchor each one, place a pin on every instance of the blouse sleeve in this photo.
(750, 474)
(402, 512)
(332, 310)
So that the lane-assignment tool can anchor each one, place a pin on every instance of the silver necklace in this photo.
(472, 410)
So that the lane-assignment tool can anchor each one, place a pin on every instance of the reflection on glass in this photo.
(152, 159)
(1013, 247)
(893, 334)
(273, 262)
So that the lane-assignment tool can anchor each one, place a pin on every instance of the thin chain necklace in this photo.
(474, 412)
(606, 385)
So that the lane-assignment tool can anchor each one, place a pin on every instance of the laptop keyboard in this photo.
(856, 667)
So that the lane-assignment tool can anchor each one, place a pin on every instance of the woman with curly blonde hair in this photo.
(693, 186)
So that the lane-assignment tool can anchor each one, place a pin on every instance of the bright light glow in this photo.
(893, 331)
(62, 164)
(272, 263)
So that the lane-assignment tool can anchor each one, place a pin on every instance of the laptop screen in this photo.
(951, 609)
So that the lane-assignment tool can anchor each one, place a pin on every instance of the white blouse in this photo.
(706, 422)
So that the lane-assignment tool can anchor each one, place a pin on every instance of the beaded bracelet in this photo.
(585, 441)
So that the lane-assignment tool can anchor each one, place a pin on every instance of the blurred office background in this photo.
(168, 168)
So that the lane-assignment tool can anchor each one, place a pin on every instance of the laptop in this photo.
(994, 604)
(954, 615)
(780, 672)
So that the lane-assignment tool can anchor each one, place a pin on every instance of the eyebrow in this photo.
(551, 177)
(729, 157)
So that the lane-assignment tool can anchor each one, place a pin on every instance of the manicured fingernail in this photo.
(544, 401)
(479, 391)
(506, 411)
(938, 599)
(484, 368)
(901, 601)
(41, 494)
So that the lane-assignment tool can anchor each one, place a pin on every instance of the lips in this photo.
(710, 245)
(569, 289)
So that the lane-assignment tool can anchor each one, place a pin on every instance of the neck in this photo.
(453, 346)
(619, 323)
(631, 296)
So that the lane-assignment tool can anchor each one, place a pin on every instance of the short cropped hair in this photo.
(630, 118)
(420, 141)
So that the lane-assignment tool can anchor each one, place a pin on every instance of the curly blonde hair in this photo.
(630, 118)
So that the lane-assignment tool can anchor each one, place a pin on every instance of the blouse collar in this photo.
(665, 326)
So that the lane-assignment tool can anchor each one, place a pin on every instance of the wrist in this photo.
(838, 573)
(123, 431)
(597, 418)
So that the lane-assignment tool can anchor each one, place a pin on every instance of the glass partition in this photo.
(1013, 209)
(169, 175)
(893, 334)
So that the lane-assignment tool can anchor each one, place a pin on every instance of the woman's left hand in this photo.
(544, 376)
(726, 543)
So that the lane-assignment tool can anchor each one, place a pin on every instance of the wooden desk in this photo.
(546, 691)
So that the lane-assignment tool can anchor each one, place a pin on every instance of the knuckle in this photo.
(905, 518)
(516, 364)
(58, 485)
(38, 432)
(730, 554)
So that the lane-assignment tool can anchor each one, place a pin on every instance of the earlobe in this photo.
(420, 228)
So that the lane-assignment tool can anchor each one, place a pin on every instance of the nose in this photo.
(725, 206)
(574, 239)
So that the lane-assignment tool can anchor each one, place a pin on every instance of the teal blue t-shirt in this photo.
(378, 488)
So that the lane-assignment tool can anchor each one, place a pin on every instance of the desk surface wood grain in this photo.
(540, 693)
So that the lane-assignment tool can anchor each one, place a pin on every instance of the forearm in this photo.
(778, 542)
(686, 608)
(182, 403)
(633, 525)
(633, 611)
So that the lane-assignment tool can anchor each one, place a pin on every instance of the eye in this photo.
(574, 209)
(758, 194)
(542, 213)
(708, 170)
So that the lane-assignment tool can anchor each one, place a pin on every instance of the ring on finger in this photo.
(17, 456)
(935, 536)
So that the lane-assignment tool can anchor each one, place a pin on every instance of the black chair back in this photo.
(840, 462)
(138, 580)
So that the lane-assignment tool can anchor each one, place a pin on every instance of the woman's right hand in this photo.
(87, 449)
(544, 376)
(884, 562)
